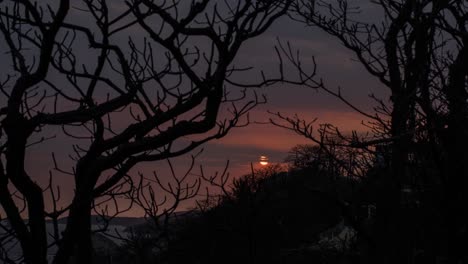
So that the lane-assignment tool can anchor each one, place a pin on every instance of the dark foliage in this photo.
(272, 219)
(417, 50)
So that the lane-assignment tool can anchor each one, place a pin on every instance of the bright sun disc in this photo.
(263, 160)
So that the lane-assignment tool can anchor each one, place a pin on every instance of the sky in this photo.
(336, 66)
(243, 146)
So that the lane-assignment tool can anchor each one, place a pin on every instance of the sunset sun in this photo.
(263, 160)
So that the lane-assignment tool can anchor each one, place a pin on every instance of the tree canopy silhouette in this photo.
(418, 52)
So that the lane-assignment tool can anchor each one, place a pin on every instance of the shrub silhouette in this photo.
(264, 220)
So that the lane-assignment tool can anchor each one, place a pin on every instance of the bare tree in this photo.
(156, 96)
(417, 51)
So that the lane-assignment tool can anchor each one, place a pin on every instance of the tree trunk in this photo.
(76, 241)
(457, 161)
(391, 221)
(33, 240)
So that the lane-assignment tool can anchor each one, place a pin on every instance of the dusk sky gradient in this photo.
(335, 65)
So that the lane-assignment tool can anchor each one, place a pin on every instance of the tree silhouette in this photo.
(118, 102)
(269, 216)
(417, 50)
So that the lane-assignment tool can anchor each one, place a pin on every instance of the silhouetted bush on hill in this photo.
(270, 219)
